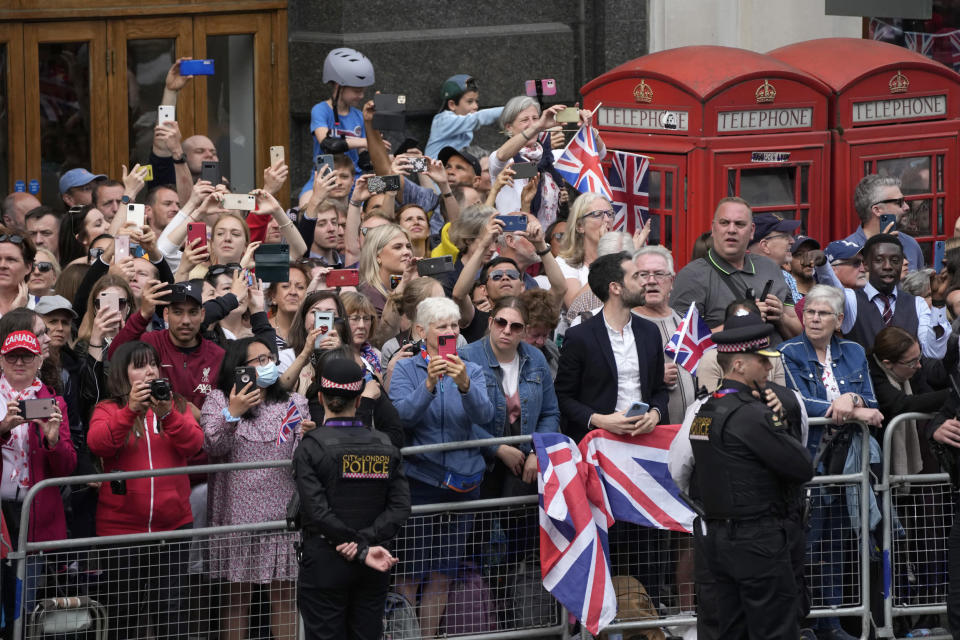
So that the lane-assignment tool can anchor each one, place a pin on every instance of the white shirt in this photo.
(511, 376)
(624, 346)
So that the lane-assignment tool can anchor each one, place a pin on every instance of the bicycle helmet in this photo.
(456, 86)
(348, 68)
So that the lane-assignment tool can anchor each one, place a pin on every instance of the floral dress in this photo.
(246, 497)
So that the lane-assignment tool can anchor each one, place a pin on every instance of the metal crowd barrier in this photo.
(917, 516)
(497, 593)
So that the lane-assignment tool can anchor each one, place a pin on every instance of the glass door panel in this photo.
(66, 68)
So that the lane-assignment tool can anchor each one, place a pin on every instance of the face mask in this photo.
(267, 375)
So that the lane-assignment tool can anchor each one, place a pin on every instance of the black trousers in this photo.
(746, 585)
(339, 599)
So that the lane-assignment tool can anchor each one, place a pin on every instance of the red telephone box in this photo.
(719, 122)
(893, 112)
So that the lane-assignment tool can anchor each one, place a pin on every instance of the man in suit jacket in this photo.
(613, 359)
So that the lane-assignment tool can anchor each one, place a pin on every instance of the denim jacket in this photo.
(445, 415)
(804, 372)
(538, 402)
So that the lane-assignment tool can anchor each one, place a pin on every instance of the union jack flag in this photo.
(631, 195)
(579, 164)
(637, 482)
(693, 338)
(291, 421)
(574, 552)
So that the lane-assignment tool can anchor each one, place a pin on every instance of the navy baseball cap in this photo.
(446, 152)
(799, 241)
(767, 223)
(77, 178)
(841, 250)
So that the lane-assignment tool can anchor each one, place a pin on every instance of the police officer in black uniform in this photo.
(747, 468)
(353, 499)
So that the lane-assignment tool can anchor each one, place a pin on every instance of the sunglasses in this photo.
(14, 238)
(515, 327)
(43, 267)
(558, 236)
(497, 276)
(220, 269)
(23, 358)
(897, 201)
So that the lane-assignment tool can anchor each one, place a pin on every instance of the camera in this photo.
(118, 487)
(160, 389)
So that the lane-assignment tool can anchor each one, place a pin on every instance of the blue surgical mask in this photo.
(267, 374)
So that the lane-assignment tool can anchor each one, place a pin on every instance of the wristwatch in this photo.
(545, 251)
(857, 400)
(180, 160)
(125, 199)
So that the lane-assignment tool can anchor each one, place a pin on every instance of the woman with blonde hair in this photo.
(100, 325)
(591, 216)
(386, 253)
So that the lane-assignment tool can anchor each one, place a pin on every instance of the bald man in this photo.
(198, 149)
(15, 208)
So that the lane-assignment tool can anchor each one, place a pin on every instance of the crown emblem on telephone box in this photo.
(766, 92)
(643, 92)
(899, 83)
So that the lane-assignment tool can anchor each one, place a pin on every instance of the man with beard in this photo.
(191, 362)
(612, 360)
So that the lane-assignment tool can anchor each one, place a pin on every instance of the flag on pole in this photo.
(691, 340)
(291, 421)
(631, 196)
(579, 164)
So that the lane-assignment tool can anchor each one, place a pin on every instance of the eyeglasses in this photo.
(25, 358)
(263, 360)
(497, 276)
(852, 262)
(819, 315)
(358, 319)
(600, 213)
(220, 269)
(897, 201)
(14, 238)
(503, 323)
(659, 276)
(43, 267)
(911, 364)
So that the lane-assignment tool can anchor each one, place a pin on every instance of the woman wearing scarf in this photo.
(32, 451)
(522, 121)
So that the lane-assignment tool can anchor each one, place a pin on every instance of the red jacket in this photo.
(150, 504)
(47, 520)
(192, 374)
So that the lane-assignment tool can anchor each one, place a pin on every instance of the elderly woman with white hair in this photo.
(440, 398)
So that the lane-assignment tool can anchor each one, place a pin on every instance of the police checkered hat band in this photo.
(743, 347)
(341, 377)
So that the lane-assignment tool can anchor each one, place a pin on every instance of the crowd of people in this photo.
(139, 330)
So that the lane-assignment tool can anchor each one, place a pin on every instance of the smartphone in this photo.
(434, 266)
(249, 278)
(276, 156)
(513, 223)
(637, 409)
(447, 345)
(766, 290)
(344, 278)
(197, 230)
(239, 201)
(166, 113)
(109, 300)
(387, 121)
(418, 165)
(544, 87)
(886, 220)
(939, 250)
(395, 281)
(136, 214)
(121, 248)
(390, 103)
(38, 408)
(147, 172)
(196, 67)
(210, 171)
(272, 262)
(524, 170)
(242, 376)
(320, 160)
(381, 184)
(322, 319)
(570, 114)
